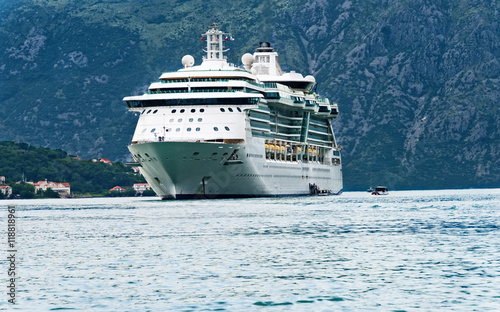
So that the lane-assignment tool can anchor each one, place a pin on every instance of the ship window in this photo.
(178, 129)
(230, 109)
(171, 120)
(193, 110)
(143, 111)
(149, 111)
(173, 111)
(227, 128)
(239, 109)
(179, 120)
(169, 129)
(190, 119)
(222, 109)
(200, 119)
(156, 111)
(183, 110)
(202, 110)
(216, 129)
(188, 129)
(197, 129)
(144, 130)
(153, 130)
(196, 153)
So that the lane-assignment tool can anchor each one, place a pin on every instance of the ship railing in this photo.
(210, 80)
(194, 90)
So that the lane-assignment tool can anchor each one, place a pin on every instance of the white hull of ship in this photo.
(177, 170)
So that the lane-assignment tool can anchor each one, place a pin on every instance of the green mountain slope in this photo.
(417, 82)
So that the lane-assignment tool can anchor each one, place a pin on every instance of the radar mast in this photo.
(215, 39)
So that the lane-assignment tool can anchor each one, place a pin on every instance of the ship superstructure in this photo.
(219, 130)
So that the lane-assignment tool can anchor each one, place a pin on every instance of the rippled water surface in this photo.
(408, 251)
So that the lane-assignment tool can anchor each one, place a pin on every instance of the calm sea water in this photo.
(408, 251)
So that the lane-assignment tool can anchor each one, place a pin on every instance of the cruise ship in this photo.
(223, 130)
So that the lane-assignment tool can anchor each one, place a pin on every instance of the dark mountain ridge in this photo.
(417, 82)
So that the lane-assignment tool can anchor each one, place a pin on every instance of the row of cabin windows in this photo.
(202, 110)
(190, 120)
(188, 129)
(173, 111)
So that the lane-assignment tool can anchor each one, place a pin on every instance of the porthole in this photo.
(171, 120)
(197, 129)
(202, 110)
(227, 128)
(182, 111)
(191, 119)
(144, 130)
(200, 119)
(178, 129)
(153, 130)
(156, 111)
(215, 129)
(230, 109)
(173, 111)
(143, 111)
(222, 109)
(239, 109)
(196, 153)
(193, 110)
(179, 120)
(188, 129)
(149, 111)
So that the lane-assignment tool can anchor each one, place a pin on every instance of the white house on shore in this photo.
(141, 187)
(63, 189)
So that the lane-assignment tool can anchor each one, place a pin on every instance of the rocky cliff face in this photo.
(417, 82)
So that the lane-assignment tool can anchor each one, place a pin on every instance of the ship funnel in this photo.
(265, 47)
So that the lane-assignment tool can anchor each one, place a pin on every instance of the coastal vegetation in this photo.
(20, 162)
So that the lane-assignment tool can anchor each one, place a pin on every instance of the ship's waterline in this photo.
(218, 130)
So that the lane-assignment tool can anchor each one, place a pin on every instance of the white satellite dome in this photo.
(311, 78)
(187, 61)
(247, 60)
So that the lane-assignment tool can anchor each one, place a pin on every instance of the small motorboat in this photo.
(380, 190)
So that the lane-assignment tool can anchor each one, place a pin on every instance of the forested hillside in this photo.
(417, 81)
(22, 161)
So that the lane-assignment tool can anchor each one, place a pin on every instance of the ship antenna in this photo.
(215, 42)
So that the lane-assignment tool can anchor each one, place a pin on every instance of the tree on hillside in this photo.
(23, 190)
